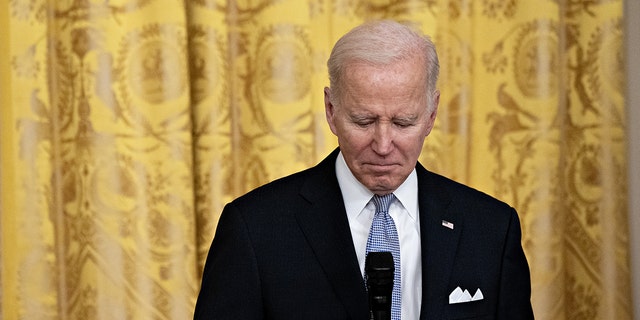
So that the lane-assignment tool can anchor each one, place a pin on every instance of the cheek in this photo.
(412, 144)
(355, 141)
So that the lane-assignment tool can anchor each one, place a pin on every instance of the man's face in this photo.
(381, 119)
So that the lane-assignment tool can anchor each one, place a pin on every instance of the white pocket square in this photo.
(460, 296)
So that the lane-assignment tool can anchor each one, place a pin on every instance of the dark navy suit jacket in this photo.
(285, 251)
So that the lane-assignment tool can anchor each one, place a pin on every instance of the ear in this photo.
(435, 100)
(329, 110)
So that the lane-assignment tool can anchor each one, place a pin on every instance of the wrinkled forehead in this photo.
(409, 74)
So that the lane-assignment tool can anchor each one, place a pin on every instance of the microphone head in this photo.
(379, 261)
(379, 271)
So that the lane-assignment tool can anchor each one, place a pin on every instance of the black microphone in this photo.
(379, 270)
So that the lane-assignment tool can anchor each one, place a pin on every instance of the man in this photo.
(296, 247)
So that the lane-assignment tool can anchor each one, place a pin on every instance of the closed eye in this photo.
(363, 121)
(403, 124)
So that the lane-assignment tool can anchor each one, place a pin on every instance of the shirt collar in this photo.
(356, 196)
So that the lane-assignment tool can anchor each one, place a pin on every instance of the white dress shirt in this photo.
(404, 211)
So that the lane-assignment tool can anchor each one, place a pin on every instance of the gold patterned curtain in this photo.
(126, 125)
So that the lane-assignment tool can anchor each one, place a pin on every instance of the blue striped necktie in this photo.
(383, 236)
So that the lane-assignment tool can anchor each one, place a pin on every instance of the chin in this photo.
(381, 187)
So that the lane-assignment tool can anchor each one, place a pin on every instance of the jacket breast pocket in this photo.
(477, 310)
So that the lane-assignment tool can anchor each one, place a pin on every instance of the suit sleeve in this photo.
(230, 282)
(515, 285)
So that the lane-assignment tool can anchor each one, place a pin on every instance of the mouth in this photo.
(381, 166)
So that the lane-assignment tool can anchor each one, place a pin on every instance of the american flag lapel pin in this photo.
(447, 224)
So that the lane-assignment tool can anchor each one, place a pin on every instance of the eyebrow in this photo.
(357, 117)
(408, 118)
(360, 117)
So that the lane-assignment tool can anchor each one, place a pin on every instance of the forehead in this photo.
(401, 85)
(411, 66)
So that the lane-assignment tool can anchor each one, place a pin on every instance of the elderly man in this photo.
(296, 247)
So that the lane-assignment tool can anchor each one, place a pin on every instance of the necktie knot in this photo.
(382, 203)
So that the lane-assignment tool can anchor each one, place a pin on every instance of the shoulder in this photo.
(454, 190)
(469, 204)
(276, 190)
(305, 185)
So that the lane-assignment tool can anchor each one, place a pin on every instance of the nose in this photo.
(382, 142)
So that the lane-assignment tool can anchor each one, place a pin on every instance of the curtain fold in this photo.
(127, 125)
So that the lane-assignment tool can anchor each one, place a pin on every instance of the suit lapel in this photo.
(326, 228)
(439, 242)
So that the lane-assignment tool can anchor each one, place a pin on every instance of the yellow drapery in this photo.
(126, 125)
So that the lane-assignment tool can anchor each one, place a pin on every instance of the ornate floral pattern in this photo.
(133, 122)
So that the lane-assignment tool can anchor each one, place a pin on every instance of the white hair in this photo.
(381, 43)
